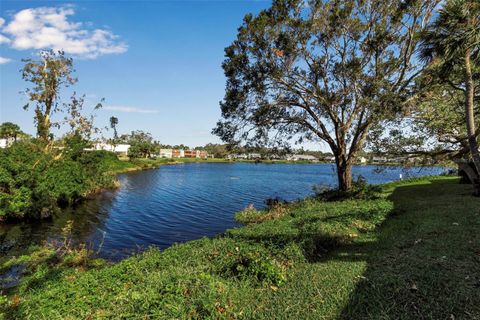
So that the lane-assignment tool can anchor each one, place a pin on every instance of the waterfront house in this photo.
(177, 153)
(202, 154)
(190, 153)
(119, 149)
(254, 156)
(166, 153)
(4, 143)
(302, 157)
(362, 160)
(379, 159)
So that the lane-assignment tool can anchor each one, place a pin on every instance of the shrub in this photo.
(252, 263)
(360, 190)
(35, 182)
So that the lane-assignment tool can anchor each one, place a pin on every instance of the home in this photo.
(6, 142)
(379, 159)
(190, 153)
(166, 153)
(254, 156)
(302, 157)
(3, 143)
(240, 156)
(120, 149)
(176, 153)
(362, 160)
(202, 154)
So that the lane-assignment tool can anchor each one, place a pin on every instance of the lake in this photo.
(177, 203)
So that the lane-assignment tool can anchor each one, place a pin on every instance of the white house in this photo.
(362, 160)
(302, 157)
(254, 156)
(121, 149)
(6, 142)
(166, 153)
(238, 156)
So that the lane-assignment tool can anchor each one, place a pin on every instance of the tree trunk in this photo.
(470, 119)
(344, 173)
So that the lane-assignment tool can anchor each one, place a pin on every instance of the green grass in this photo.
(413, 253)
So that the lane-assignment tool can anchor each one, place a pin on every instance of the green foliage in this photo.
(142, 144)
(321, 71)
(47, 76)
(360, 190)
(249, 262)
(35, 182)
(10, 130)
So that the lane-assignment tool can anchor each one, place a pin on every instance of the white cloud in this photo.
(129, 109)
(4, 39)
(50, 28)
(4, 60)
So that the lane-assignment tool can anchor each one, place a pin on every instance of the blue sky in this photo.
(156, 63)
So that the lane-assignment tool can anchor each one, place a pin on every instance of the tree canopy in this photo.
(48, 76)
(322, 71)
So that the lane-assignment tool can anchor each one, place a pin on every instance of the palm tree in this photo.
(452, 44)
(113, 125)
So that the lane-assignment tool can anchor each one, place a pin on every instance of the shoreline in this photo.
(272, 257)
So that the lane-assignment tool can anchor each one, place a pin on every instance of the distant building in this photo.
(202, 154)
(6, 142)
(238, 156)
(166, 153)
(254, 156)
(302, 157)
(3, 143)
(120, 149)
(362, 160)
(379, 159)
(176, 153)
(190, 153)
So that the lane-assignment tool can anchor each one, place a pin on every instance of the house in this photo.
(166, 153)
(362, 160)
(202, 154)
(302, 157)
(240, 156)
(190, 153)
(254, 156)
(120, 149)
(6, 142)
(176, 153)
(379, 160)
(3, 143)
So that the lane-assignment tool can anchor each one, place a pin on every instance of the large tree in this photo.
(322, 71)
(452, 46)
(48, 76)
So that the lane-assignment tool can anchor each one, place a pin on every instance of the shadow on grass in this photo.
(425, 263)
(422, 262)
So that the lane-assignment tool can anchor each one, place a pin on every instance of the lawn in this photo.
(411, 253)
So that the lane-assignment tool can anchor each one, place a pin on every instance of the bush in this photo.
(360, 190)
(252, 263)
(34, 182)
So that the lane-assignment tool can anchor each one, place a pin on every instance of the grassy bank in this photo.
(412, 253)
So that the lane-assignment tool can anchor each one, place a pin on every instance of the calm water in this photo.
(183, 202)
